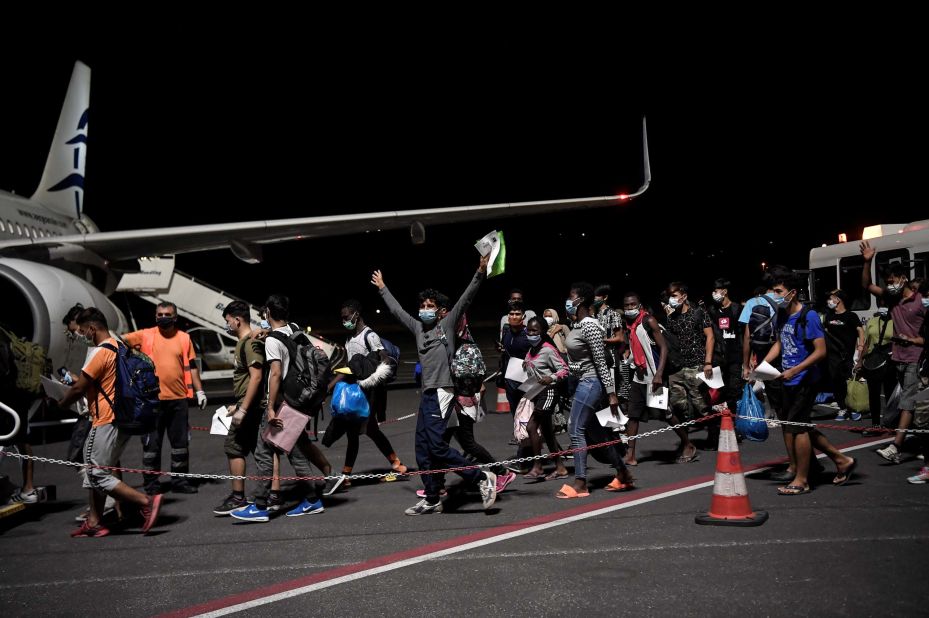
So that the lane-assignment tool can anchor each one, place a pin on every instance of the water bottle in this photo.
(65, 376)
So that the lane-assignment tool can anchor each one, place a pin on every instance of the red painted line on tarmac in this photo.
(498, 531)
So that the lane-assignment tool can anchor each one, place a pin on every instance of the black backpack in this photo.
(762, 324)
(308, 374)
(675, 360)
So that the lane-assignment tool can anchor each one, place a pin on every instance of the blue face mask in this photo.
(925, 303)
(534, 339)
(427, 316)
(229, 329)
(570, 307)
(264, 324)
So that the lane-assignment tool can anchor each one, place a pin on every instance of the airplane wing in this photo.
(245, 239)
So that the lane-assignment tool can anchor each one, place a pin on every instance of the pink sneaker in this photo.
(503, 480)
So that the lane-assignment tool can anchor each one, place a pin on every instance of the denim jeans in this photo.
(586, 399)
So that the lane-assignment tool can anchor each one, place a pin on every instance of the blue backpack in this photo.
(137, 388)
(392, 351)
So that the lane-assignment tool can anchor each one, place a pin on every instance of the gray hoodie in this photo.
(436, 345)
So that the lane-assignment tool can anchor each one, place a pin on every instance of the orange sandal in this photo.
(568, 491)
(616, 485)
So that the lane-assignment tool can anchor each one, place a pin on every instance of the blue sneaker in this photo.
(306, 508)
(250, 513)
(855, 416)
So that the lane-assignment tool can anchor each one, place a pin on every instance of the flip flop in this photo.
(616, 485)
(842, 477)
(570, 492)
(685, 459)
(793, 490)
(551, 476)
(531, 476)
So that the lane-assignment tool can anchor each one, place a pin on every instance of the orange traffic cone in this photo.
(503, 404)
(730, 506)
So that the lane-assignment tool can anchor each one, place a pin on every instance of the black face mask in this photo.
(165, 322)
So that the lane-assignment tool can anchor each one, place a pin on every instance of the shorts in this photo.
(242, 439)
(908, 378)
(103, 447)
(797, 407)
(637, 410)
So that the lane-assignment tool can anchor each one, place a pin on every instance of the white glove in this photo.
(201, 399)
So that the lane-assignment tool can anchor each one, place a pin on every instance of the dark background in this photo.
(750, 165)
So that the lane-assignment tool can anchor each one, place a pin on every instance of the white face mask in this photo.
(718, 297)
(832, 304)
(675, 302)
(895, 288)
(549, 320)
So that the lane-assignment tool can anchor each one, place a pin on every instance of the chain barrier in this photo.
(231, 477)
(776, 422)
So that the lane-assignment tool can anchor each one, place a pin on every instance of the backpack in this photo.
(393, 354)
(308, 374)
(468, 362)
(762, 324)
(675, 360)
(136, 406)
(30, 360)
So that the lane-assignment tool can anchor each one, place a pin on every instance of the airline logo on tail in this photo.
(75, 179)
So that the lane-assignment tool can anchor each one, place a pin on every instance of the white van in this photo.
(839, 266)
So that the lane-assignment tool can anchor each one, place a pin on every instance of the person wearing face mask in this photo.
(760, 321)
(362, 341)
(436, 346)
(173, 354)
(612, 325)
(908, 314)
(688, 397)
(724, 316)
(515, 345)
(556, 331)
(802, 346)
(587, 362)
(248, 390)
(844, 336)
(106, 442)
(543, 363)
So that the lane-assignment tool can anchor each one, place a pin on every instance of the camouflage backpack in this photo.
(30, 361)
(468, 362)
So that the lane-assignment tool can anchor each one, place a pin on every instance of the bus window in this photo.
(850, 268)
(891, 256)
(921, 264)
(824, 281)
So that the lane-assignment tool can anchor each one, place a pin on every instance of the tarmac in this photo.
(854, 550)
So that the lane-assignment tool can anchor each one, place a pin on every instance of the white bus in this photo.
(839, 266)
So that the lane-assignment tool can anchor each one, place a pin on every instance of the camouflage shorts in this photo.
(687, 396)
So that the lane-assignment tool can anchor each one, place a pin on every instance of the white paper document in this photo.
(606, 418)
(485, 245)
(657, 400)
(716, 381)
(56, 390)
(221, 422)
(531, 388)
(765, 371)
(515, 372)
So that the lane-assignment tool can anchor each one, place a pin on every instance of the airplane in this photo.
(53, 255)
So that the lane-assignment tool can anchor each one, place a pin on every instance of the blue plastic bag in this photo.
(754, 428)
(349, 399)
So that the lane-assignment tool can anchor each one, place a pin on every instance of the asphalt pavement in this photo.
(855, 550)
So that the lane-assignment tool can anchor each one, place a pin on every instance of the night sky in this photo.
(747, 166)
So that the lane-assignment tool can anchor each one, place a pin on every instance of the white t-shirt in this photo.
(275, 350)
(528, 314)
(356, 345)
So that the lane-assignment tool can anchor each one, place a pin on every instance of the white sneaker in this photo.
(488, 486)
(424, 508)
(890, 453)
(19, 497)
(920, 479)
(840, 416)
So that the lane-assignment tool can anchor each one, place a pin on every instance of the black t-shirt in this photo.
(726, 320)
(842, 332)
